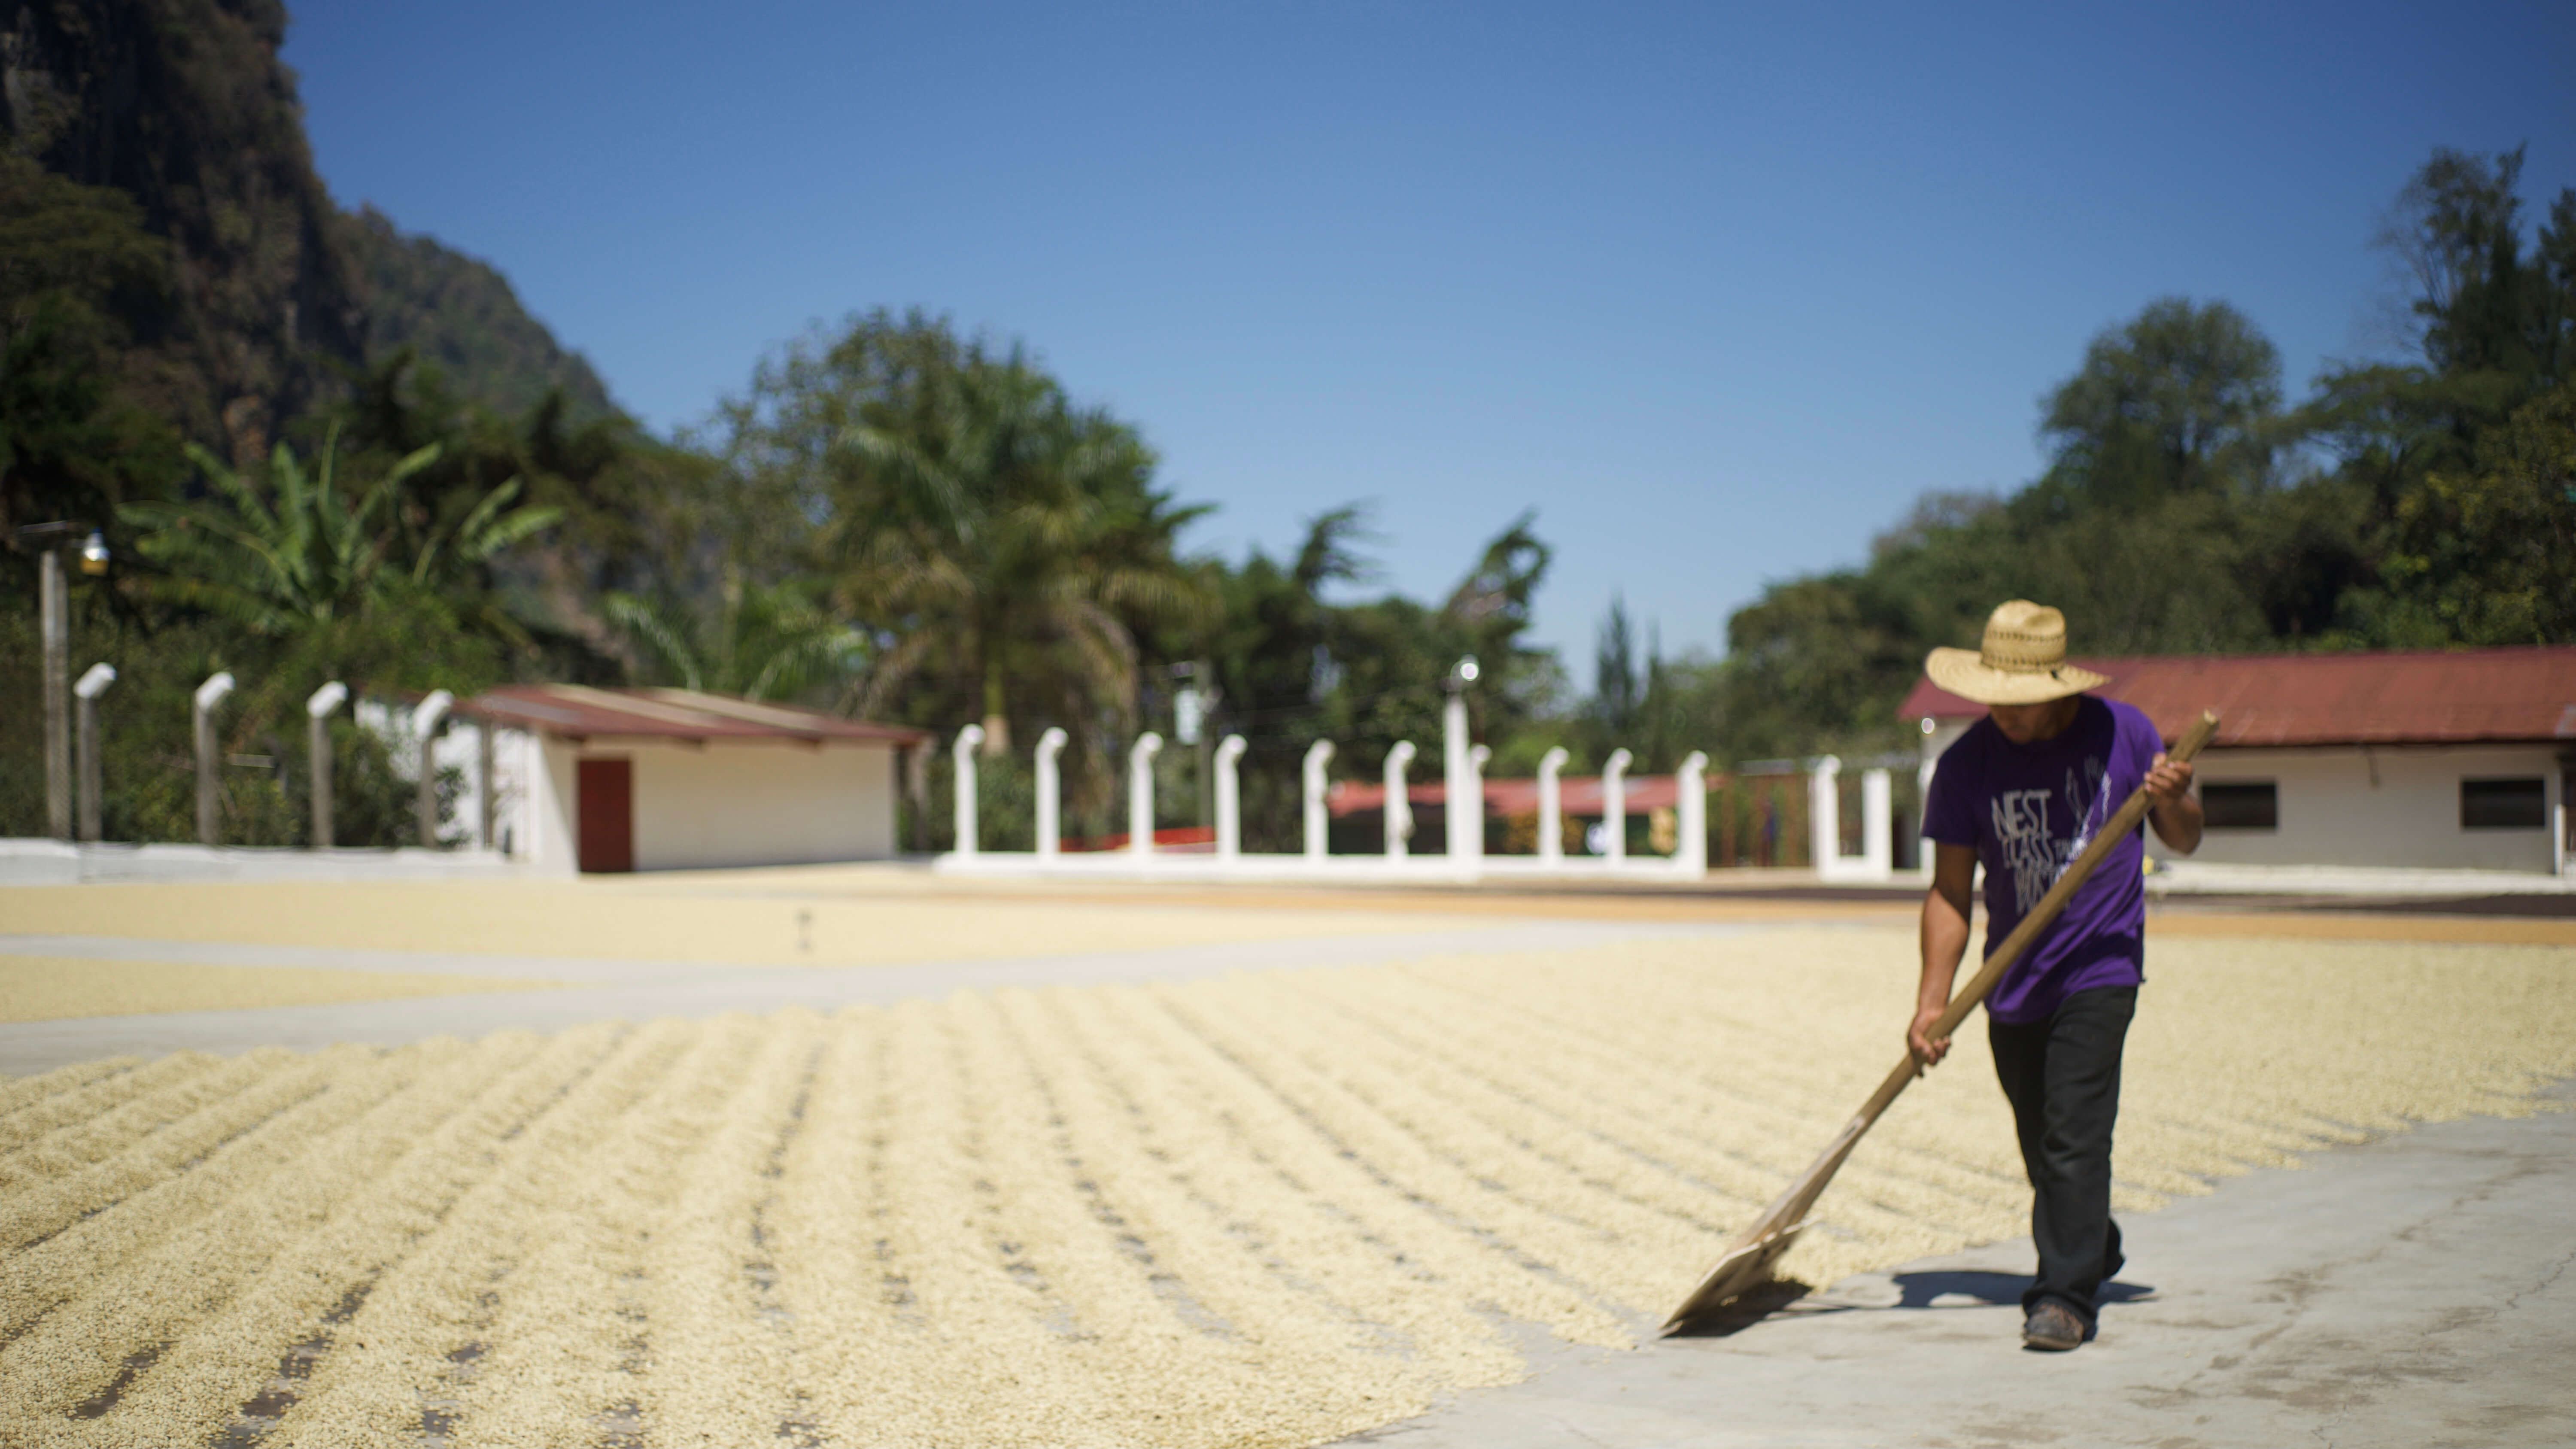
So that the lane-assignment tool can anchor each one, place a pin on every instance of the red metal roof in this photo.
(577, 711)
(2395, 698)
(1576, 794)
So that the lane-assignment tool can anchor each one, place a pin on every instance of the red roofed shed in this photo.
(658, 779)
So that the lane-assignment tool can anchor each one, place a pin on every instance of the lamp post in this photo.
(54, 629)
(1465, 815)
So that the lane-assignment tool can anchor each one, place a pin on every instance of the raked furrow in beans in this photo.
(80, 1105)
(17, 1094)
(140, 1141)
(569, 1339)
(722, 1364)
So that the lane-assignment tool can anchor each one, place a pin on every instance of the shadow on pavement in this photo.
(1922, 1290)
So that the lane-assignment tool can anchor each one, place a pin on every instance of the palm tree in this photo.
(1010, 541)
(760, 643)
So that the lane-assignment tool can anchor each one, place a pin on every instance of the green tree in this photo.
(2183, 398)
(2487, 555)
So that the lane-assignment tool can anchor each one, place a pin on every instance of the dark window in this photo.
(2504, 804)
(2242, 805)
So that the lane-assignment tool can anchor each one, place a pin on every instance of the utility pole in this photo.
(53, 610)
(54, 631)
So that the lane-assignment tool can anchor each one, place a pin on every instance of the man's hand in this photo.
(1928, 1050)
(2176, 815)
(2168, 780)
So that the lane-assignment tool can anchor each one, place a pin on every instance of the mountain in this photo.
(274, 298)
(460, 315)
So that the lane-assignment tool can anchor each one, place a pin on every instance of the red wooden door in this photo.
(605, 790)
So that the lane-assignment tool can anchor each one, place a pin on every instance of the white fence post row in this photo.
(1825, 816)
(1614, 806)
(1229, 798)
(1399, 805)
(1050, 795)
(1551, 807)
(202, 726)
(1311, 793)
(1690, 853)
(963, 753)
(1140, 794)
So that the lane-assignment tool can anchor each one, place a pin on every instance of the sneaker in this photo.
(2052, 1326)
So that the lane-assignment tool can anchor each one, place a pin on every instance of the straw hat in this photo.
(2023, 660)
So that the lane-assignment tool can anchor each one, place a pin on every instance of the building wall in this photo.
(2379, 807)
(747, 804)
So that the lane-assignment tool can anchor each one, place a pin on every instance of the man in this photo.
(2022, 792)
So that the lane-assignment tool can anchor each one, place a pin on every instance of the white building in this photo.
(604, 780)
(2459, 760)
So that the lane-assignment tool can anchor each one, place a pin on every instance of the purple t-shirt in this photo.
(2029, 809)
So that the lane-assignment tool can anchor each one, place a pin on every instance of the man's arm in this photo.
(1945, 940)
(2176, 813)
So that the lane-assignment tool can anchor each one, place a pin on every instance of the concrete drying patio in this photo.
(804, 1160)
(2410, 1291)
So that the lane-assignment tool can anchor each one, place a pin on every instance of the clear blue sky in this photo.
(1717, 290)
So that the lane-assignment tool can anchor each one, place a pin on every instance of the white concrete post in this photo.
(1690, 812)
(1050, 801)
(1877, 825)
(1476, 758)
(1614, 806)
(426, 717)
(1140, 794)
(1825, 817)
(209, 694)
(1922, 816)
(1311, 798)
(85, 694)
(487, 811)
(1551, 807)
(318, 710)
(1229, 798)
(1399, 805)
(963, 754)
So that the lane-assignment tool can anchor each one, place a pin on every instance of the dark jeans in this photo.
(2062, 1076)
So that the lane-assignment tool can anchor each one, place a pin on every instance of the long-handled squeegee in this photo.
(1749, 1258)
